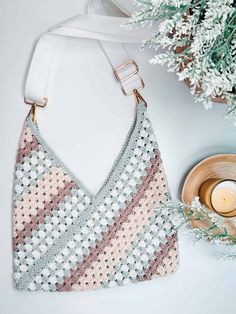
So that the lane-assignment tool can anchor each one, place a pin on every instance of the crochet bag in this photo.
(64, 237)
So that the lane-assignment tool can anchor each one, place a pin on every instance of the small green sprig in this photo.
(210, 226)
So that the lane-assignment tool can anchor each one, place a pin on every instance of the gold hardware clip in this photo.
(34, 105)
(138, 97)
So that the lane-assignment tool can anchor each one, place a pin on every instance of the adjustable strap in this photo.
(107, 30)
(111, 36)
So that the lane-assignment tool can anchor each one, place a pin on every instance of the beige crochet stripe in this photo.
(42, 213)
(28, 142)
(117, 227)
(26, 137)
(117, 249)
(35, 199)
(27, 149)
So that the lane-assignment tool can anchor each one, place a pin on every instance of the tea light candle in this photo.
(223, 197)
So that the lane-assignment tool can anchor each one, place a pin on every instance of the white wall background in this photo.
(186, 133)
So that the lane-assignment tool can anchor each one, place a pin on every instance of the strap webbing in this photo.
(106, 29)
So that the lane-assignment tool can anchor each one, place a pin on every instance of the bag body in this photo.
(66, 238)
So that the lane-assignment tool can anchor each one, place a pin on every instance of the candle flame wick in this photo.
(226, 201)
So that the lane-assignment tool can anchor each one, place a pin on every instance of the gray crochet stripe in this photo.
(117, 168)
(152, 221)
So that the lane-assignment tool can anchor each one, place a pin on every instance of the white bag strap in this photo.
(125, 6)
(107, 30)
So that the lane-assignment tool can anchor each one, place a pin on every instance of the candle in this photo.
(223, 197)
(219, 195)
(206, 189)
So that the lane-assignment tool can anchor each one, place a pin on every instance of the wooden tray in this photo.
(222, 166)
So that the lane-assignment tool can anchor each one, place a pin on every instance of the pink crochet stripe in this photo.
(111, 233)
(160, 255)
(42, 213)
(26, 151)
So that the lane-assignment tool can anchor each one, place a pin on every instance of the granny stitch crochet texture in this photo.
(65, 238)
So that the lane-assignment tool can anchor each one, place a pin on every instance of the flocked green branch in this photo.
(205, 32)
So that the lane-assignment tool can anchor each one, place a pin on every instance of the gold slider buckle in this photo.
(121, 79)
(34, 105)
(124, 78)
